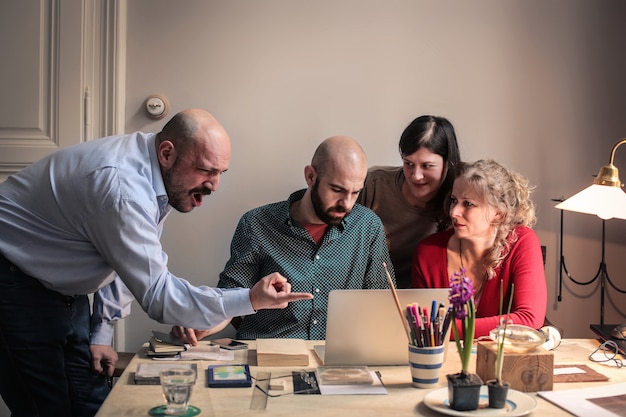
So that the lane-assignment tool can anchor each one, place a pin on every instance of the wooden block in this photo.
(527, 372)
(277, 385)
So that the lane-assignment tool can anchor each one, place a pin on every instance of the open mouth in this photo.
(197, 199)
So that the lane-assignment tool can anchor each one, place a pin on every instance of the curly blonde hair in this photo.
(509, 194)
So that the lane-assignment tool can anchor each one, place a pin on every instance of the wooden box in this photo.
(526, 372)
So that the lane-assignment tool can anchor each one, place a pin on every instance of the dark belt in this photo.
(6, 263)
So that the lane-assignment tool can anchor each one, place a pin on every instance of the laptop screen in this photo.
(364, 327)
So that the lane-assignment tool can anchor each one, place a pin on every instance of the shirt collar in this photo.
(157, 178)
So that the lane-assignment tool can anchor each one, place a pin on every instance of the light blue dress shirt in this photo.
(82, 218)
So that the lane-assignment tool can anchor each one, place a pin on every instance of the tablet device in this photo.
(229, 376)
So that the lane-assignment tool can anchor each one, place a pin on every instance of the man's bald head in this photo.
(339, 154)
(334, 178)
(190, 128)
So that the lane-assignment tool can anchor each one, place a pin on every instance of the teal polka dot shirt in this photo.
(267, 240)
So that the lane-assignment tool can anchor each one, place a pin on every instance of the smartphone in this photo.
(229, 344)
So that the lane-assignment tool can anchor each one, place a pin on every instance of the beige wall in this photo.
(537, 85)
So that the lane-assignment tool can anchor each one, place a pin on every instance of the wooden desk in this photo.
(127, 399)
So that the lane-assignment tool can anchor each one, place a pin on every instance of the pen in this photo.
(429, 330)
(433, 311)
(109, 381)
(433, 322)
(410, 318)
(446, 322)
(432, 332)
(419, 328)
(440, 317)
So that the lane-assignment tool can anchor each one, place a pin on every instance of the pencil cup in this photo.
(425, 365)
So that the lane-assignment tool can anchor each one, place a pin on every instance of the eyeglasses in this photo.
(303, 378)
(606, 352)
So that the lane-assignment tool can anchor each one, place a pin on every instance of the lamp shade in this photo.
(604, 201)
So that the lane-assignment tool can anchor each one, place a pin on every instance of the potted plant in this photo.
(463, 387)
(497, 388)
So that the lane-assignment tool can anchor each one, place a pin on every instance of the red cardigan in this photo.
(522, 266)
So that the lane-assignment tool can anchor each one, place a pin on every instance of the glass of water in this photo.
(177, 384)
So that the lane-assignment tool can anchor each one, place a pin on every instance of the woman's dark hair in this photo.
(437, 135)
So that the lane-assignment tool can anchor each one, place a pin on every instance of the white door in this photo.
(58, 65)
(40, 108)
(60, 77)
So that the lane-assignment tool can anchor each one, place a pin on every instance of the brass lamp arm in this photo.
(609, 174)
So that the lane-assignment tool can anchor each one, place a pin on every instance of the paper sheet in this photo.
(586, 402)
(376, 388)
(201, 352)
(207, 352)
(576, 373)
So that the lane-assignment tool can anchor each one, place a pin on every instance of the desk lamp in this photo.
(606, 199)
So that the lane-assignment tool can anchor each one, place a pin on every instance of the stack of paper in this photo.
(282, 352)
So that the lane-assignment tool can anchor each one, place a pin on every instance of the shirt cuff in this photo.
(237, 302)
(102, 334)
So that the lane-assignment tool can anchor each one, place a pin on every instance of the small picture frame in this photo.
(229, 376)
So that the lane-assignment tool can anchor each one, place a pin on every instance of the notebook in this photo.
(603, 331)
(364, 327)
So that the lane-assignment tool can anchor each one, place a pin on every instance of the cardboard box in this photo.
(527, 372)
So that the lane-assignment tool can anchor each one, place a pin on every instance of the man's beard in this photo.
(178, 197)
(325, 215)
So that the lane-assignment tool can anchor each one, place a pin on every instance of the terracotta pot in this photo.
(497, 393)
(464, 391)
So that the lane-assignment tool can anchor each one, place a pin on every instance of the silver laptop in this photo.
(364, 327)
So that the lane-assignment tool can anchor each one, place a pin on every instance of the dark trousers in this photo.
(45, 363)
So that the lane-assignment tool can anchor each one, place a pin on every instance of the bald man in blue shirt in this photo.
(88, 219)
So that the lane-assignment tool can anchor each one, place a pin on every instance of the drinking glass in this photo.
(177, 384)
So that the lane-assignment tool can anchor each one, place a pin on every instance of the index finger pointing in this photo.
(296, 296)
